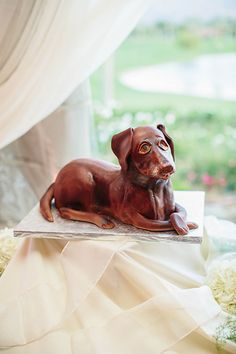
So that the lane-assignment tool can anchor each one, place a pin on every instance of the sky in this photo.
(180, 10)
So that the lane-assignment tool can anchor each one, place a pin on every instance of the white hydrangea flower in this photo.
(221, 279)
(7, 247)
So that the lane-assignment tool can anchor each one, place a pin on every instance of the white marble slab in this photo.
(34, 225)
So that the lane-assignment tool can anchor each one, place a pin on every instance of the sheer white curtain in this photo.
(29, 164)
(70, 127)
(48, 47)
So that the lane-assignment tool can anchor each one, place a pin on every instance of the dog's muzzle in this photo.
(166, 171)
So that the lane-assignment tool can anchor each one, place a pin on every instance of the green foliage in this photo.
(187, 39)
(204, 144)
(225, 332)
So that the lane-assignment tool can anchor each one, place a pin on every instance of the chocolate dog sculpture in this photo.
(139, 193)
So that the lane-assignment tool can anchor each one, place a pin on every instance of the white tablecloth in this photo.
(97, 297)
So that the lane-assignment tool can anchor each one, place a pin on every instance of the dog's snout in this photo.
(167, 169)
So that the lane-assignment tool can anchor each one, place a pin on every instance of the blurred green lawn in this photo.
(144, 50)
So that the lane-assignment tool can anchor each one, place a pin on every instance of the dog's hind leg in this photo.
(99, 220)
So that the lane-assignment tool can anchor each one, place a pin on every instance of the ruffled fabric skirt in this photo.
(98, 297)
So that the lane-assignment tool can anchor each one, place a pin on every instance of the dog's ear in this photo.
(168, 139)
(121, 144)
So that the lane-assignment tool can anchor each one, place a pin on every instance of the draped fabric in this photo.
(70, 128)
(90, 297)
(48, 47)
(29, 164)
(27, 167)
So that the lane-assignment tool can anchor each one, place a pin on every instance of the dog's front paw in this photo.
(107, 224)
(192, 225)
(179, 224)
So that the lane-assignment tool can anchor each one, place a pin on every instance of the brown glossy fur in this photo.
(139, 193)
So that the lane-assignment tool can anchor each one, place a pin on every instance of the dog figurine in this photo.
(138, 193)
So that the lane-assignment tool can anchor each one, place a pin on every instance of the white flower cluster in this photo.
(221, 279)
(7, 247)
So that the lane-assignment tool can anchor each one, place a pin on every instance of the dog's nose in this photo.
(167, 169)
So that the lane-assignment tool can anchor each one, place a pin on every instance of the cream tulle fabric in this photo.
(92, 297)
(48, 47)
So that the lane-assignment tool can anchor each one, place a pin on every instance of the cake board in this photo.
(34, 225)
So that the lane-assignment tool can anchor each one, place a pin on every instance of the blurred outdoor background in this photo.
(179, 68)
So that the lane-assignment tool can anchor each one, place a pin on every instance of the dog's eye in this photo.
(144, 149)
(163, 145)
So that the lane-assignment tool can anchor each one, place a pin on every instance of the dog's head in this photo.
(150, 150)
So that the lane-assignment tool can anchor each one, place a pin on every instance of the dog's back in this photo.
(84, 183)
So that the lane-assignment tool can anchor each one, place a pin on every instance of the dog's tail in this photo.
(45, 203)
